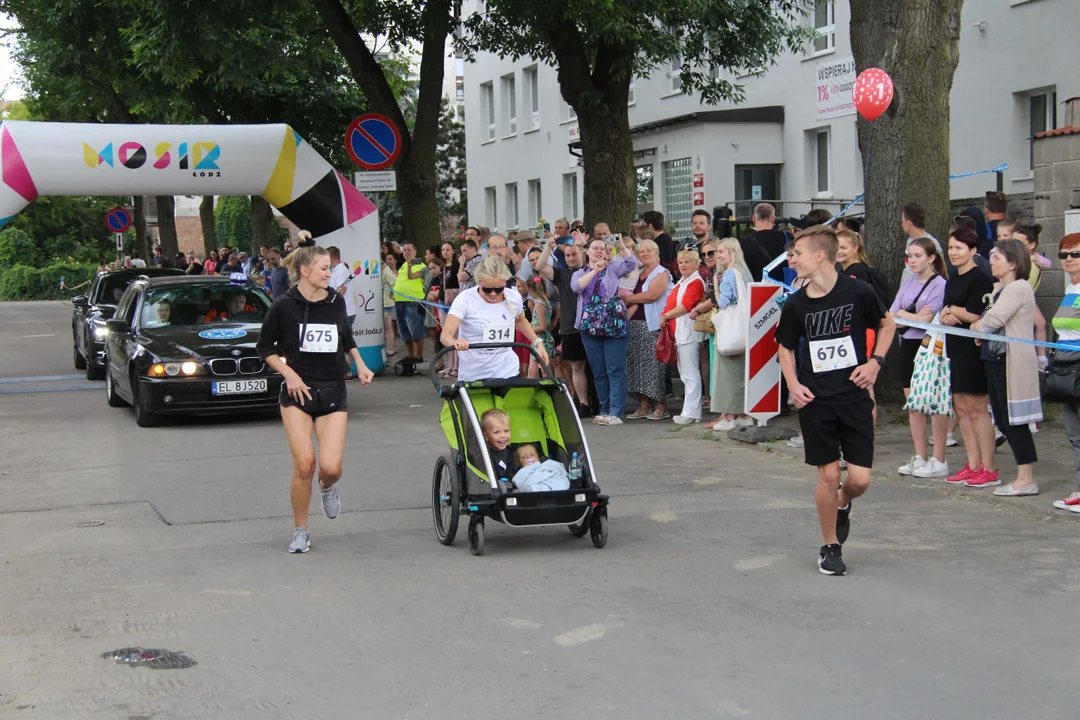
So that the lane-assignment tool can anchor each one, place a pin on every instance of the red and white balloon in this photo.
(873, 92)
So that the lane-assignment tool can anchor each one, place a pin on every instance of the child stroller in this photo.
(541, 413)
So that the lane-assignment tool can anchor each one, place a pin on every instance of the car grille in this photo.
(223, 366)
(251, 365)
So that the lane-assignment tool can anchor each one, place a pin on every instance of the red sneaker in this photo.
(966, 474)
(984, 479)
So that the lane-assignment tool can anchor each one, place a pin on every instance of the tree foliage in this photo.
(597, 47)
(450, 162)
(232, 221)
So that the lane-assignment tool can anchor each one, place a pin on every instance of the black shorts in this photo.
(908, 350)
(573, 350)
(327, 396)
(829, 429)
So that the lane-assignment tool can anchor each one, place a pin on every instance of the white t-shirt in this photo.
(338, 275)
(138, 263)
(482, 321)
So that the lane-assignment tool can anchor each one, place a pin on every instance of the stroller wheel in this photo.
(446, 499)
(598, 529)
(580, 529)
(476, 534)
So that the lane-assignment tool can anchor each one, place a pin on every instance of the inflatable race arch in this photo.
(39, 158)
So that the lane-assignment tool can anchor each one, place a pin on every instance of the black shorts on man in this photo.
(834, 327)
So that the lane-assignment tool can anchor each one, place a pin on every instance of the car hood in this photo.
(206, 341)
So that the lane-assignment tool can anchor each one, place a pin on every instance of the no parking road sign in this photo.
(118, 220)
(373, 141)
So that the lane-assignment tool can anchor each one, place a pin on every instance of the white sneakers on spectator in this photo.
(950, 440)
(932, 468)
(795, 442)
(685, 420)
(724, 425)
(912, 465)
(745, 422)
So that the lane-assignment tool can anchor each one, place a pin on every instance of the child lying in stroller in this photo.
(524, 466)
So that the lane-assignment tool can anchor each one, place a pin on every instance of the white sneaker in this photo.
(745, 422)
(950, 440)
(795, 442)
(723, 425)
(912, 465)
(685, 420)
(932, 468)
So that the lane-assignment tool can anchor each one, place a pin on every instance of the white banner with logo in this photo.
(834, 81)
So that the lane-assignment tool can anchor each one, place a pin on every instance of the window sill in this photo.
(507, 137)
(532, 130)
(1026, 178)
(568, 121)
(819, 54)
(823, 195)
(676, 93)
(488, 142)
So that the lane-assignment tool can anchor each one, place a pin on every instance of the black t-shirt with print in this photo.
(503, 462)
(848, 311)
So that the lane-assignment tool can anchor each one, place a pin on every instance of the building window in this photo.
(491, 210)
(535, 203)
(530, 76)
(679, 196)
(487, 105)
(509, 104)
(570, 195)
(675, 77)
(823, 162)
(1042, 116)
(825, 25)
(511, 205)
(566, 111)
(631, 97)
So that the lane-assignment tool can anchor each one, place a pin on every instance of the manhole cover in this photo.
(88, 523)
(150, 658)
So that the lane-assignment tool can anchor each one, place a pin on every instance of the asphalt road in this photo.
(706, 603)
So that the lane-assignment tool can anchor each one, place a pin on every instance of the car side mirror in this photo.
(80, 301)
(117, 326)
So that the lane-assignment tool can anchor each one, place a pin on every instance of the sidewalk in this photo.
(1055, 472)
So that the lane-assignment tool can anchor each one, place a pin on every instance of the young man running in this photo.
(832, 313)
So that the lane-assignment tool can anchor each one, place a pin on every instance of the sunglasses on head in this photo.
(1074, 254)
(491, 291)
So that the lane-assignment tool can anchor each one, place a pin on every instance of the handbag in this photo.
(1061, 381)
(703, 323)
(931, 385)
(732, 322)
(603, 317)
(666, 351)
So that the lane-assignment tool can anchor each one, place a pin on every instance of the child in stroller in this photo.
(522, 465)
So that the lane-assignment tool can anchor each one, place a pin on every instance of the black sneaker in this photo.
(843, 524)
(829, 561)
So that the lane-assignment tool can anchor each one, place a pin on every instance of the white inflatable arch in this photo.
(38, 158)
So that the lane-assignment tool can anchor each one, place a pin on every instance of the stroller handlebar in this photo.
(488, 346)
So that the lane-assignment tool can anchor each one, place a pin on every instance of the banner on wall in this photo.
(38, 158)
(834, 81)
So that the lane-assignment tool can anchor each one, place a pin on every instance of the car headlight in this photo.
(174, 368)
(101, 332)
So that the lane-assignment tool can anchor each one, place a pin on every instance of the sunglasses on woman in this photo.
(490, 290)
(708, 254)
(1074, 254)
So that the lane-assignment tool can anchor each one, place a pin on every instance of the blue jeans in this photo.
(607, 358)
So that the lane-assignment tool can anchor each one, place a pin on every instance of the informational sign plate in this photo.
(375, 181)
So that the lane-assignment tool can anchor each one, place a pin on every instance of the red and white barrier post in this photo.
(762, 380)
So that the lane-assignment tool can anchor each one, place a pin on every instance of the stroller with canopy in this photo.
(543, 414)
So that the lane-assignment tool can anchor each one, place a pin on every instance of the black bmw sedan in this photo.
(186, 345)
(91, 311)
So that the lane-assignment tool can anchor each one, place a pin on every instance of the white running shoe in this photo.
(745, 422)
(301, 541)
(912, 465)
(685, 420)
(724, 425)
(331, 503)
(795, 442)
(932, 468)
(950, 440)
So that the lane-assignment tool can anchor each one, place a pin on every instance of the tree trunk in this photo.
(416, 182)
(166, 217)
(206, 220)
(261, 217)
(139, 221)
(917, 43)
(608, 154)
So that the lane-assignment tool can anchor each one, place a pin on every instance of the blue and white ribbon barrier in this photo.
(978, 335)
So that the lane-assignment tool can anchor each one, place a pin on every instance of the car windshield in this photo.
(112, 288)
(203, 304)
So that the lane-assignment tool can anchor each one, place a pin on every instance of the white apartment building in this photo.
(792, 140)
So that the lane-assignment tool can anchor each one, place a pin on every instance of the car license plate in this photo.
(238, 387)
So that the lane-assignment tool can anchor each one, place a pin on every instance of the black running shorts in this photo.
(829, 429)
(326, 397)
